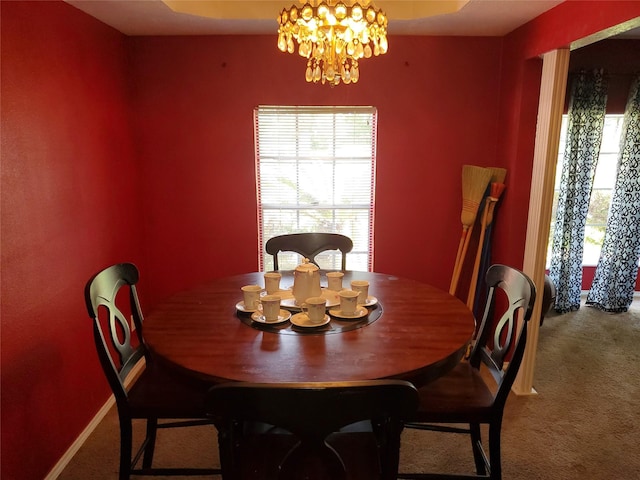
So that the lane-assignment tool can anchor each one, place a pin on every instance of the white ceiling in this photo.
(421, 17)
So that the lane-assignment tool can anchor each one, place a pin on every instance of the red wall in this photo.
(437, 102)
(141, 149)
(69, 207)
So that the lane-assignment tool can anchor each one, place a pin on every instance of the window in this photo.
(315, 172)
(602, 191)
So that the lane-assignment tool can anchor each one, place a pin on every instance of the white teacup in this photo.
(334, 281)
(348, 301)
(315, 308)
(251, 296)
(362, 287)
(270, 306)
(272, 282)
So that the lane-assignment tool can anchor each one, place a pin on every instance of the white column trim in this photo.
(550, 107)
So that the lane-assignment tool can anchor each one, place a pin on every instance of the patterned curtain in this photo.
(615, 279)
(586, 120)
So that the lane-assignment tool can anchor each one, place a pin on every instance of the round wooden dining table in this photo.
(414, 332)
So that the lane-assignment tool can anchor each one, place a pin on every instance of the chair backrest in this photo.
(118, 355)
(502, 336)
(309, 245)
(313, 411)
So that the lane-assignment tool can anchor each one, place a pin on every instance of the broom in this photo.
(485, 260)
(497, 187)
(474, 184)
(487, 218)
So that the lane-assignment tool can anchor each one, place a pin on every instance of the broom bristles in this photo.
(474, 185)
(496, 191)
(497, 174)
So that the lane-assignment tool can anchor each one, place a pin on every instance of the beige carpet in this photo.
(583, 424)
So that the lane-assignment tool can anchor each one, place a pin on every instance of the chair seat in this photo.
(158, 393)
(460, 396)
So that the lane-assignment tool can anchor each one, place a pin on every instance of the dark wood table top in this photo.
(420, 333)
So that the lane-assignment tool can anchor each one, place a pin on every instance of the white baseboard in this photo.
(95, 421)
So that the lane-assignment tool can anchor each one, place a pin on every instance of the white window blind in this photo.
(315, 172)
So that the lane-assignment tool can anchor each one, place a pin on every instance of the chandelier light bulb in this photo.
(333, 35)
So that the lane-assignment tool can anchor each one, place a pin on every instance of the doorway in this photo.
(551, 105)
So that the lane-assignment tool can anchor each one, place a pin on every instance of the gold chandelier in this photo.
(333, 37)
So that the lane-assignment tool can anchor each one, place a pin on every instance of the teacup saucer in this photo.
(283, 316)
(302, 320)
(240, 306)
(359, 313)
(371, 300)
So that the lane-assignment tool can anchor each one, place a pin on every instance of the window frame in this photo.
(291, 139)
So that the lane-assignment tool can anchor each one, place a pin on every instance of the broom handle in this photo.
(458, 271)
(476, 267)
(485, 263)
(454, 280)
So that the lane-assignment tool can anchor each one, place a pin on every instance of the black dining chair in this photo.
(309, 245)
(155, 395)
(475, 391)
(312, 431)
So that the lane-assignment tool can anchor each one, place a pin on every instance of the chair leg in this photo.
(229, 435)
(388, 440)
(494, 450)
(126, 440)
(152, 428)
(391, 462)
(476, 447)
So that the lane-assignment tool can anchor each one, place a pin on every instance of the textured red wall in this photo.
(69, 207)
(437, 101)
(83, 188)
